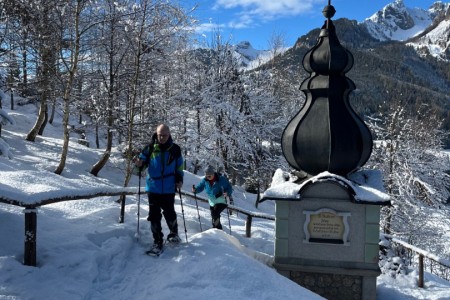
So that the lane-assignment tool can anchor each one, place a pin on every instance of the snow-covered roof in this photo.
(365, 186)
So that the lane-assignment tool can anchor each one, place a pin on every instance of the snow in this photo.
(436, 41)
(47, 186)
(4, 118)
(397, 22)
(366, 184)
(441, 260)
(84, 253)
(4, 149)
(249, 57)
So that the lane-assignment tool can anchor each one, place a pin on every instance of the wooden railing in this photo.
(421, 259)
(250, 215)
(30, 212)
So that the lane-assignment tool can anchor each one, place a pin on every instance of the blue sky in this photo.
(259, 20)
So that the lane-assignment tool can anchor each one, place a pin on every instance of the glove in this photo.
(179, 184)
(193, 189)
(139, 163)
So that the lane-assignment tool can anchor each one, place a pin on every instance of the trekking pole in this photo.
(232, 203)
(196, 204)
(228, 215)
(139, 204)
(182, 212)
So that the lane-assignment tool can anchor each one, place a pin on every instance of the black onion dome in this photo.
(327, 134)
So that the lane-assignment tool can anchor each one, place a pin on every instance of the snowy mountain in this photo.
(428, 30)
(397, 22)
(435, 41)
(247, 51)
(247, 54)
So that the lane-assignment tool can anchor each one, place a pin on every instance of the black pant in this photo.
(166, 203)
(215, 214)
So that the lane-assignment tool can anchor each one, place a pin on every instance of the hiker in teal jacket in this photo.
(217, 187)
(164, 163)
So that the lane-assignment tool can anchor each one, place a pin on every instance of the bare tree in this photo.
(111, 44)
(409, 152)
(47, 40)
(74, 35)
(143, 64)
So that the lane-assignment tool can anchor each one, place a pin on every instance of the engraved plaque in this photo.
(326, 226)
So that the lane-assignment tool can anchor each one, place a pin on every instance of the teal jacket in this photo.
(165, 167)
(216, 190)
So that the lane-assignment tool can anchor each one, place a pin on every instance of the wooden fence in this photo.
(421, 259)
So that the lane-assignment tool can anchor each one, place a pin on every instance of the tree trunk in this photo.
(40, 119)
(12, 101)
(47, 54)
(110, 121)
(25, 62)
(102, 162)
(97, 141)
(52, 114)
(67, 92)
(41, 129)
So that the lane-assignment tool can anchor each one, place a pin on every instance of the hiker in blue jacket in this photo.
(217, 187)
(164, 161)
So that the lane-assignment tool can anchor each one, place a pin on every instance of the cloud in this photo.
(267, 9)
(208, 27)
(242, 14)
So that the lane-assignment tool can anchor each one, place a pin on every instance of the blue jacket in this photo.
(165, 167)
(216, 190)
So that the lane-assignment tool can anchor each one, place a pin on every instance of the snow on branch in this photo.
(5, 118)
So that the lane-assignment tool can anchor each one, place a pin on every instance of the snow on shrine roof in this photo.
(366, 185)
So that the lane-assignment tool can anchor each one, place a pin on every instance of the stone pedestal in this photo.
(327, 241)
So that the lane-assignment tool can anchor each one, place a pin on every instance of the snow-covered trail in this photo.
(109, 259)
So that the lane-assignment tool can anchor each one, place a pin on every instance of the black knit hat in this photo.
(209, 170)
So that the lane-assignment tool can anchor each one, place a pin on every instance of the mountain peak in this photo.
(244, 45)
(395, 21)
(247, 52)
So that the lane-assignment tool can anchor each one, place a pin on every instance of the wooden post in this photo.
(420, 270)
(122, 208)
(248, 226)
(29, 257)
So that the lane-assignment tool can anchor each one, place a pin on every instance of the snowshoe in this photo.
(173, 239)
(156, 250)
